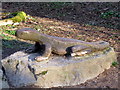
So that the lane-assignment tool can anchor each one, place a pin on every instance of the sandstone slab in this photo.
(21, 68)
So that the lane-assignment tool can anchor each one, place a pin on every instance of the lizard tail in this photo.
(100, 44)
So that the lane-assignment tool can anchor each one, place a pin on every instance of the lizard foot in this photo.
(40, 58)
(81, 53)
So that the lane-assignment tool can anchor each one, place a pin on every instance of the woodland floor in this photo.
(83, 21)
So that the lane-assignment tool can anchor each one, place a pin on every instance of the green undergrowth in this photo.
(11, 26)
(109, 14)
(18, 16)
(58, 5)
(6, 37)
(14, 44)
(7, 44)
(11, 32)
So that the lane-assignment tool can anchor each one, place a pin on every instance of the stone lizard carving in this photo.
(59, 45)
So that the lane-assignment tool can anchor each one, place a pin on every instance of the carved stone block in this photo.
(21, 68)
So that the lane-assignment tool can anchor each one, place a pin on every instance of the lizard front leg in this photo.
(37, 47)
(46, 53)
(79, 50)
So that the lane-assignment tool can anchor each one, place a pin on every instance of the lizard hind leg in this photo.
(79, 50)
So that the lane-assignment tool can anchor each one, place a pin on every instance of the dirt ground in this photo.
(83, 21)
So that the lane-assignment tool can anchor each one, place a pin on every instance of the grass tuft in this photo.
(115, 63)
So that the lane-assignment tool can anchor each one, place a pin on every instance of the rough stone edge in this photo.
(101, 72)
(114, 59)
(3, 82)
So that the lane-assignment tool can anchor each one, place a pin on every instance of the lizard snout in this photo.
(19, 34)
(16, 33)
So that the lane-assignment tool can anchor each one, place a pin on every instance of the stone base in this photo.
(3, 83)
(21, 69)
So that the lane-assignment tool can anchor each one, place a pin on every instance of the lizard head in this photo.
(27, 34)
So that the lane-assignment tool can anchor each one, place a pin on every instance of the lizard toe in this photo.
(81, 53)
(40, 58)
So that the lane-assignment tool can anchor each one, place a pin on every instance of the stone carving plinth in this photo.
(21, 69)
